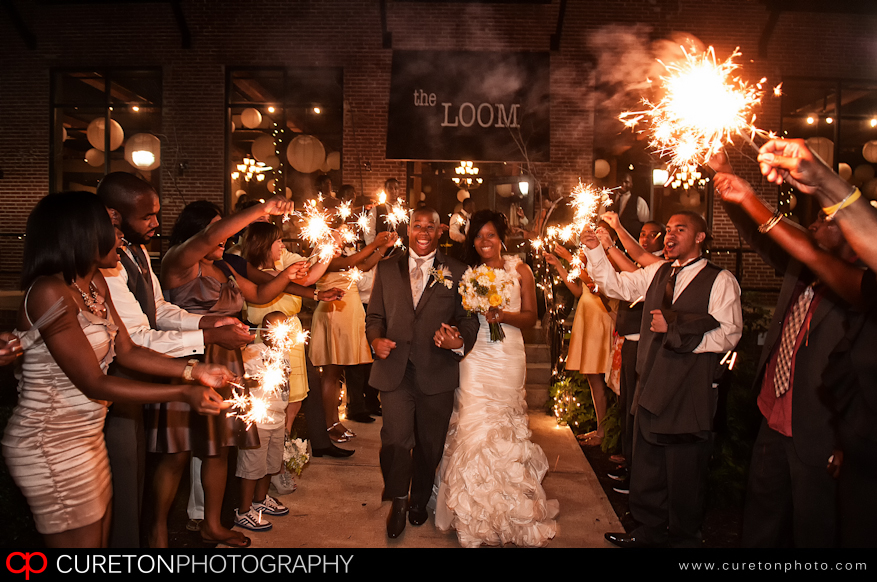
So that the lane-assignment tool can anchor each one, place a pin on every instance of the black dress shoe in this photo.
(396, 519)
(623, 540)
(376, 412)
(363, 417)
(619, 474)
(332, 451)
(417, 515)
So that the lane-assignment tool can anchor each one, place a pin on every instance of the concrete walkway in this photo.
(338, 501)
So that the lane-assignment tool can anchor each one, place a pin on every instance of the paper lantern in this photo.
(273, 161)
(63, 134)
(251, 118)
(270, 185)
(870, 151)
(422, 196)
(288, 192)
(94, 157)
(263, 148)
(504, 190)
(601, 168)
(690, 198)
(325, 167)
(793, 201)
(306, 154)
(462, 195)
(334, 160)
(95, 133)
(238, 194)
(845, 171)
(143, 151)
(864, 172)
(823, 147)
(869, 188)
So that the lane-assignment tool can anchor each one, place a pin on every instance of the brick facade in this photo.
(348, 34)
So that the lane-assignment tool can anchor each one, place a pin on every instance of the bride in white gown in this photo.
(490, 477)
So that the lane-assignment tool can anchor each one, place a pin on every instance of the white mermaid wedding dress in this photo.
(489, 485)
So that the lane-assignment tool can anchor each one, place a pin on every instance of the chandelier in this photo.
(249, 169)
(467, 175)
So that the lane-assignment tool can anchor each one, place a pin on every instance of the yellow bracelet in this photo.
(854, 195)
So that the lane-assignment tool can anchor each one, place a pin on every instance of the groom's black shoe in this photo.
(332, 451)
(396, 519)
(417, 515)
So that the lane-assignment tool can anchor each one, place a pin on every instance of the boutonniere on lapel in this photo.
(441, 274)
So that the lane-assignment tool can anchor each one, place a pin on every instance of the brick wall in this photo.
(347, 33)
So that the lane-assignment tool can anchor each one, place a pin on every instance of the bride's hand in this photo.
(495, 315)
(448, 338)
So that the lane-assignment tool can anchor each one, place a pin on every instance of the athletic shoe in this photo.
(270, 506)
(251, 520)
(619, 474)
(623, 487)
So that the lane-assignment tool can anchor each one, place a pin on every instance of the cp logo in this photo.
(26, 568)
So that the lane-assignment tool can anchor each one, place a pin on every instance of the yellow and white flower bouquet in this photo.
(483, 287)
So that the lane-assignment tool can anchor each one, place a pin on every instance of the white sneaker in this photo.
(270, 506)
(283, 483)
(252, 520)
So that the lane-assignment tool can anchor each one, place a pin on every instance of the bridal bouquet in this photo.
(295, 455)
(482, 288)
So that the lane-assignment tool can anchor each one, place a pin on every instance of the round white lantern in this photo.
(263, 148)
(601, 168)
(251, 118)
(325, 167)
(793, 201)
(306, 154)
(504, 190)
(143, 151)
(869, 188)
(94, 157)
(288, 192)
(870, 151)
(273, 161)
(845, 171)
(95, 133)
(462, 195)
(864, 172)
(334, 159)
(270, 185)
(823, 147)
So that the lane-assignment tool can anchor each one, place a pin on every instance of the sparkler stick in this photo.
(703, 108)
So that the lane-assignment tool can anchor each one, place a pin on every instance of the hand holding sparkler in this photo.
(231, 337)
(604, 237)
(329, 295)
(204, 400)
(562, 252)
(277, 206)
(792, 161)
(611, 218)
(589, 238)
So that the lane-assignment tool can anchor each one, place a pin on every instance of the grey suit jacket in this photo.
(392, 315)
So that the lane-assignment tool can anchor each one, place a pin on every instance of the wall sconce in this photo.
(524, 187)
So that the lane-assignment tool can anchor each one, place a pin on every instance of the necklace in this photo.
(95, 302)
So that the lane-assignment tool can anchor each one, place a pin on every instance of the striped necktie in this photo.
(798, 314)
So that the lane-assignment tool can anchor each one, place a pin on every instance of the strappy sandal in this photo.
(336, 434)
(347, 432)
(231, 541)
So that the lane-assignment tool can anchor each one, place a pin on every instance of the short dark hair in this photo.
(194, 218)
(700, 225)
(388, 180)
(661, 226)
(258, 239)
(476, 223)
(66, 233)
(346, 190)
(118, 190)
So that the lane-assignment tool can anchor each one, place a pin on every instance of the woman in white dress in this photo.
(490, 488)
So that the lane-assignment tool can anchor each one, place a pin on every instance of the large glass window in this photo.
(84, 104)
(838, 119)
(285, 127)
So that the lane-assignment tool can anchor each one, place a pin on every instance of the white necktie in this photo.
(417, 280)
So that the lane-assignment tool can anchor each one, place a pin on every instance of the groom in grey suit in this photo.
(419, 331)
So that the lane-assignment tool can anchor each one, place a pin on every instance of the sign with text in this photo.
(483, 106)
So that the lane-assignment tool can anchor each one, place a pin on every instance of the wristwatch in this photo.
(316, 292)
(187, 371)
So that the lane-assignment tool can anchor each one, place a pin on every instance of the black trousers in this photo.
(626, 390)
(125, 438)
(788, 503)
(412, 438)
(312, 406)
(668, 486)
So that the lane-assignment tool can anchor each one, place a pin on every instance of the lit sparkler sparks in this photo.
(396, 215)
(587, 200)
(703, 108)
(353, 276)
(362, 223)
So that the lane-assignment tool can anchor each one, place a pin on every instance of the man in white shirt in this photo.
(692, 316)
(459, 227)
(151, 322)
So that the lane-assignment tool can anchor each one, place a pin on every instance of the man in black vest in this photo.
(632, 210)
(152, 322)
(692, 315)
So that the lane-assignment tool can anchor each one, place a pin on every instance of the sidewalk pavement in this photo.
(338, 501)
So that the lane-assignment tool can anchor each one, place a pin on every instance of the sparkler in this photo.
(705, 105)
(353, 276)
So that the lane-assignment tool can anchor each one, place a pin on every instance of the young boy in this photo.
(256, 466)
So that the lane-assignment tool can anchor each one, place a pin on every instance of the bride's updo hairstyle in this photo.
(476, 223)
(194, 218)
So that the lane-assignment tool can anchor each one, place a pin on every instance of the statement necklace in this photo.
(94, 302)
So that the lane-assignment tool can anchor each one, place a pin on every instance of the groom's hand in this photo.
(448, 338)
(382, 347)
